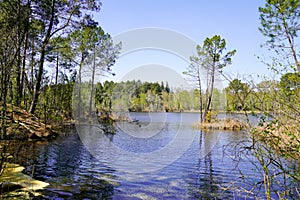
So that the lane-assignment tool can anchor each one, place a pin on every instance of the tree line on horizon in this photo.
(238, 96)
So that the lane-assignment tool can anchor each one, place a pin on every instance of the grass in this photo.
(223, 124)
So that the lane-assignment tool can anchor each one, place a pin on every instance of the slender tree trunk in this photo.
(292, 47)
(200, 95)
(211, 88)
(209, 92)
(79, 102)
(23, 66)
(92, 83)
(56, 82)
(206, 97)
(39, 77)
(18, 80)
(5, 83)
(23, 72)
(18, 66)
(57, 68)
(32, 66)
(288, 36)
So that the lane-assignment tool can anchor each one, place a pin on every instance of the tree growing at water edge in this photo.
(57, 17)
(217, 60)
(210, 60)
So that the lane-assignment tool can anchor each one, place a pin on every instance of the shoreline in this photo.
(25, 126)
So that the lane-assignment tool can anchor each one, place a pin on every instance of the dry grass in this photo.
(223, 124)
(118, 117)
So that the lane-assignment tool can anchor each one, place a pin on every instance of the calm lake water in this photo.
(158, 156)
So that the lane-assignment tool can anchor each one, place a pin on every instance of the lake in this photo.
(155, 156)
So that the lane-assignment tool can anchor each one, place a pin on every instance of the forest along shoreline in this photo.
(22, 125)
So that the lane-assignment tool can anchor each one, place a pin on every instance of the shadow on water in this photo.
(67, 166)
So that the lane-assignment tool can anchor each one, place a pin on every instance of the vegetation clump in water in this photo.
(223, 124)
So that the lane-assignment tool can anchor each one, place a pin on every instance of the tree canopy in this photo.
(280, 22)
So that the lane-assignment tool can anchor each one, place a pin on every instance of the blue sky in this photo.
(236, 21)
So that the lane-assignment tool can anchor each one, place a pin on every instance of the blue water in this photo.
(158, 156)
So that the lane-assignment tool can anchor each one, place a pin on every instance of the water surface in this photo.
(213, 165)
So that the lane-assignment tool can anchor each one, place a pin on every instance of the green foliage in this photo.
(55, 104)
(52, 33)
(290, 84)
(214, 48)
(136, 96)
(237, 94)
(266, 97)
(280, 21)
(84, 39)
(276, 137)
(103, 95)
